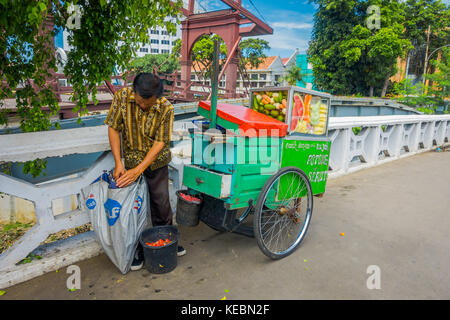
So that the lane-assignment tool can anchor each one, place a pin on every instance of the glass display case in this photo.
(305, 111)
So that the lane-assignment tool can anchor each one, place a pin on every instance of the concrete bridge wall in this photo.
(380, 139)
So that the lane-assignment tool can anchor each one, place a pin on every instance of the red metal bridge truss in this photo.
(231, 25)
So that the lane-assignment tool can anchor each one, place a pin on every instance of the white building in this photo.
(160, 42)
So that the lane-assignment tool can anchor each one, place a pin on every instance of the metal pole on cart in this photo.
(214, 85)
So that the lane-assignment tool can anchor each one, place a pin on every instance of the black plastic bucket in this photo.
(160, 259)
(187, 212)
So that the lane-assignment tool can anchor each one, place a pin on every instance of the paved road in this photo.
(395, 216)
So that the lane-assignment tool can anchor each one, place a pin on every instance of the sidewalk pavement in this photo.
(394, 216)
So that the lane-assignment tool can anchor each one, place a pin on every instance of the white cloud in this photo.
(287, 41)
(292, 25)
(291, 30)
(211, 5)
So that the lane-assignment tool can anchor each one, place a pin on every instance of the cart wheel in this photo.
(283, 212)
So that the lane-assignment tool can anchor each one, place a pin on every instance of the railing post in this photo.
(372, 145)
(339, 152)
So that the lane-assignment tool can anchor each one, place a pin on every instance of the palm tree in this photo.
(293, 75)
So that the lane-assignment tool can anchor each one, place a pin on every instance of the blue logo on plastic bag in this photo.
(90, 202)
(137, 204)
(112, 208)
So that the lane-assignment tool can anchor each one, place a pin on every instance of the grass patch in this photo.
(10, 233)
(64, 234)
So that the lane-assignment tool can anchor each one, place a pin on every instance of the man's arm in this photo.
(162, 137)
(114, 121)
(114, 141)
(131, 175)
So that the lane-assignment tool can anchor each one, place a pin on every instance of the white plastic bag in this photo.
(118, 217)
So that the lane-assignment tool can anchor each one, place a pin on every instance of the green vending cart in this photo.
(266, 160)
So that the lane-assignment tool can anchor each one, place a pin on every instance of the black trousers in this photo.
(158, 187)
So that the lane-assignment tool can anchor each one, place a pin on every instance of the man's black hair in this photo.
(148, 85)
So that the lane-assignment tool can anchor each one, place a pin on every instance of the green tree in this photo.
(164, 63)
(105, 37)
(203, 51)
(333, 22)
(440, 88)
(435, 96)
(349, 58)
(422, 14)
(252, 51)
(293, 75)
(378, 51)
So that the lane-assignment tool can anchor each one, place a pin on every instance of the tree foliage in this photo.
(428, 99)
(163, 63)
(348, 57)
(105, 37)
(333, 22)
(202, 54)
(293, 75)
(252, 50)
(421, 14)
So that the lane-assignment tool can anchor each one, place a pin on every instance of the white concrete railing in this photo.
(402, 136)
(382, 139)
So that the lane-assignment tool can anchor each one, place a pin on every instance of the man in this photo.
(145, 119)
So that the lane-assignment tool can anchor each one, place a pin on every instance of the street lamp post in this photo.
(426, 63)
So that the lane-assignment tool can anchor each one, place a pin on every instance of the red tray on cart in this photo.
(247, 119)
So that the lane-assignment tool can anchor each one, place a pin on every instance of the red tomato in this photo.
(159, 243)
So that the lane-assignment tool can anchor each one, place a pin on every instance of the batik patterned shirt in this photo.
(140, 129)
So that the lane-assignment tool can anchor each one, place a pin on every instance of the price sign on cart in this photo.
(310, 155)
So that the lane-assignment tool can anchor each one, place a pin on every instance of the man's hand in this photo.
(119, 170)
(128, 177)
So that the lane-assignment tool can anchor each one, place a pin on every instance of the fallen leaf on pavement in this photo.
(120, 280)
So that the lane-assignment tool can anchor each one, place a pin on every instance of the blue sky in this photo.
(291, 21)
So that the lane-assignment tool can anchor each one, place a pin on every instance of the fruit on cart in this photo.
(297, 111)
(315, 111)
(255, 102)
(265, 99)
(272, 104)
(307, 106)
(301, 127)
(278, 97)
(319, 130)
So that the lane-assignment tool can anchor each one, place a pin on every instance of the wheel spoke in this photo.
(284, 211)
